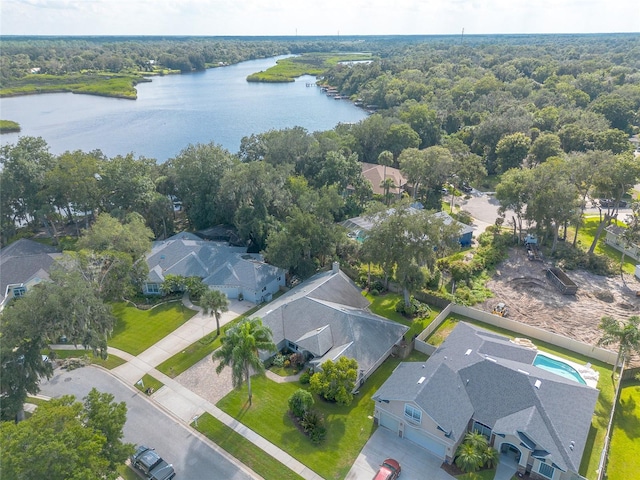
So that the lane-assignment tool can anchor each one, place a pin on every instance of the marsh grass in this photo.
(108, 85)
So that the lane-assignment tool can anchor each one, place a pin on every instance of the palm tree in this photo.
(491, 457)
(627, 335)
(240, 347)
(215, 303)
(468, 459)
(387, 185)
(385, 159)
(478, 440)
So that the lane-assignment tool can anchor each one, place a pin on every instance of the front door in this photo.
(511, 451)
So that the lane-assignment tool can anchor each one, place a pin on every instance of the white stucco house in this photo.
(229, 269)
(479, 380)
(612, 238)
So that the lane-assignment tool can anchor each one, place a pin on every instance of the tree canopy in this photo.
(67, 440)
(67, 306)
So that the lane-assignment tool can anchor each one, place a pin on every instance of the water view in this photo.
(171, 112)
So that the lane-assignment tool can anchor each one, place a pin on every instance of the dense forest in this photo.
(546, 118)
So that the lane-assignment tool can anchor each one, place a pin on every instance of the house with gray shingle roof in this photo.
(479, 380)
(357, 227)
(326, 317)
(23, 264)
(229, 269)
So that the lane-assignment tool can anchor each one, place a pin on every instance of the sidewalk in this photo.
(181, 402)
(191, 331)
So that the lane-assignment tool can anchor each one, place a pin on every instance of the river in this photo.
(217, 105)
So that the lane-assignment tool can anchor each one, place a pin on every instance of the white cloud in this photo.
(285, 17)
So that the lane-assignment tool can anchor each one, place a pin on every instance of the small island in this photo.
(7, 126)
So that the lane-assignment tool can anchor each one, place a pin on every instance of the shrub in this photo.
(300, 402)
(433, 282)
(460, 271)
(305, 378)
(463, 216)
(297, 360)
(378, 285)
(415, 309)
(571, 258)
(313, 424)
(336, 381)
(278, 360)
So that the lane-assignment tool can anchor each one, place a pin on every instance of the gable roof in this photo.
(326, 316)
(493, 381)
(216, 263)
(24, 261)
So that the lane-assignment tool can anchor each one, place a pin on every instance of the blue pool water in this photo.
(558, 367)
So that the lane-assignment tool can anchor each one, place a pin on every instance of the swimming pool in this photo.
(558, 367)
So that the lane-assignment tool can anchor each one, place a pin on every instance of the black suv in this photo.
(151, 464)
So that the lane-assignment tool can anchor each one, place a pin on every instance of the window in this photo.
(412, 413)
(153, 288)
(19, 291)
(546, 470)
(482, 429)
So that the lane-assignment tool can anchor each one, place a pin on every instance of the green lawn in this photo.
(235, 444)
(348, 428)
(385, 306)
(587, 233)
(195, 352)
(127, 473)
(111, 362)
(136, 330)
(149, 382)
(481, 475)
(624, 451)
(595, 440)
(445, 328)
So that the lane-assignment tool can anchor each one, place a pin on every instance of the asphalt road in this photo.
(146, 424)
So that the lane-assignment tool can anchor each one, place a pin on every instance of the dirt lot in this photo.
(534, 300)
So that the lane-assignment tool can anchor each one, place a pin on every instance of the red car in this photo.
(389, 470)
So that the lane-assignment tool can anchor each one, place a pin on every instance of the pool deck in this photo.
(588, 374)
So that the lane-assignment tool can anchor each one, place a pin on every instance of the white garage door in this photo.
(389, 422)
(425, 441)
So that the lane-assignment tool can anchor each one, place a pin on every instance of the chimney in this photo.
(335, 267)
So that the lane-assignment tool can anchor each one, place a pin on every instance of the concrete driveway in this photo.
(416, 462)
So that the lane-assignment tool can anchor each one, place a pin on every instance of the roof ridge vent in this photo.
(491, 359)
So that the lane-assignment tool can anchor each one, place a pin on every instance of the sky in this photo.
(318, 17)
